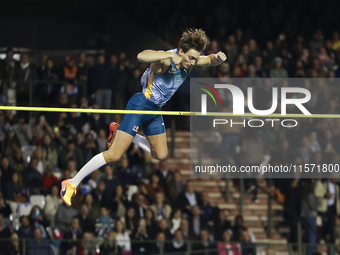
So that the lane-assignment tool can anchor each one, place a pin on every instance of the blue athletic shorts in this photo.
(150, 124)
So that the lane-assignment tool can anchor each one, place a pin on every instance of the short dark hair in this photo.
(193, 39)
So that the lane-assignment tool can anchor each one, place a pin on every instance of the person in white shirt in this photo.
(122, 237)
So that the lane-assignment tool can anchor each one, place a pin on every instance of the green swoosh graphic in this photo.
(208, 92)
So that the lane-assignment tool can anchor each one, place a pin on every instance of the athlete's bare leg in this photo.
(159, 147)
(120, 144)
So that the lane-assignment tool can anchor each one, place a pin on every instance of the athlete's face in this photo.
(189, 59)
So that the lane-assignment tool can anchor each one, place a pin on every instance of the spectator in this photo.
(159, 245)
(39, 128)
(309, 207)
(39, 245)
(139, 206)
(48, 178)
(151, 224)
(123, 238)
(178, 244)
(10, 63)
(110, 246)
(101, 140)
(187, 233)
(205, 208)
(16, 191)
(10, 143)
(83, 69)
(4, 126)
(25, 229)
(38, 155)
(188, 198)
(100, 83)
(52, 203)
(110, 180)
(38, 219)
(24, 73)
(278, 71)
(247, 247)
(6, 174)
(125, 173)
(120, 202)
(86, 247)
(163, 227)
(64, 216)
(174, 186)
(238, 229)
(69, 73)
(204, 246)
(314, 145)
(162, 172)
(100, 196)
(5, 232)
(161, 210)
(176, 219)
(48, 90)
(49, 151)
(222, 224)
(5, 209)
(93, 206)
(140, 234)
(89, 146)
(14, 247)
(85, 223)
(227, 247)
(17, 162)
(154, 186)
(130, 221)
(104, 223)
(32, 178)
(71, 153)
(71, 238)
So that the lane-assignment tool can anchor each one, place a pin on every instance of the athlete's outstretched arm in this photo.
(212, 59)
(158, 57)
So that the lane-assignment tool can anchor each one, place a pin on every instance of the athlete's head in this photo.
(190, 46)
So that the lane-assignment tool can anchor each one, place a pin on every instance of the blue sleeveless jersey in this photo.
(159, 88)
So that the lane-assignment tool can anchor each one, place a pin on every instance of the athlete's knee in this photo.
(160, 155)
(111, 156)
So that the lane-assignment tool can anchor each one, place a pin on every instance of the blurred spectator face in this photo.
(71, 165)
(239, 221)
(82, 57)
(313, 136)
(159, 198)
(205, 197)
(112, 236)
(224, 68)
(71, 62)
(75, 224)
(63, 98)
(184, 225)
(2, 221)
(189, 188)
(245, 237)
(178, 214)
(278, 64)
(71, 146)
(88, 199)
(101, 187)
(37, 234)
(104, 212)
(136, 73)
(258, 62)
(9, 54)
(89, 61)
(113, 59)
(24, 59)
(252, 45)
(34, 163)
(140, 200)
(226, 236)
(119, 190)
(122, 56)
(66, 174)
(270, 45)
(84, 210)
(231, 40)
(245, 50)
(15, 177)
(224, 214)
(54, 191)
(24, 222)
(119, 226)
(318, 157)
(131, 213)
(47, 140)
(155, 179)
(4, 163)
(305, 141)
(101, 60)
(178, 236)
(49, 64)
(102, 134)
(44, 58)
(149, 214)
(177, 177)
(163, 165)
(160, 237)
(204, 236)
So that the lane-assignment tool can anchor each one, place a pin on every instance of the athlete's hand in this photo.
(176, 59)
(220, 56)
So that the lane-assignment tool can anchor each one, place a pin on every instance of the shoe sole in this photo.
(61, 191)
(111, 133)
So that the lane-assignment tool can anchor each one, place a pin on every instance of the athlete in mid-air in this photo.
(167, 72)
